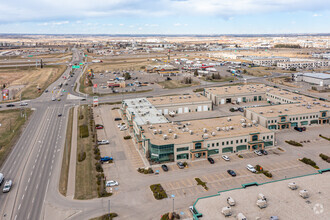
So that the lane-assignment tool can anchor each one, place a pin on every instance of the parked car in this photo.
(23, 104)
(257, 152)
(117, 119)
(2, 177)
(264, 152)
(58, 99)
(53, 99)
(241, 109)
(164, 167)
(59, 115)
(231, 172)
(225, 157)
(111, 183)
(7, 186)
(10, 105)
(251, 168)
(46, 90)
(210, 160)
(300, 129)
(180, 165)
(98, 126)
(194, 212)
(106, 159)
(103, 142)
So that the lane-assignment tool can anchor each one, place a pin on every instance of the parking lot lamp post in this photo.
(173, 196)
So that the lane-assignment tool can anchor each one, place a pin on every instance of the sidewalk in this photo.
(73, 156)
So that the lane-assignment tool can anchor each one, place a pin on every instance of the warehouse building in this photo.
(308, 64)
(191, 140)
(321, 79)
(270, 61)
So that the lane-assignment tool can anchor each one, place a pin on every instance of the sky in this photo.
(164, 16)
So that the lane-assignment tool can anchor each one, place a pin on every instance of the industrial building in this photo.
(307, 64)
(269, 61)
(321, 79)
(191, 140)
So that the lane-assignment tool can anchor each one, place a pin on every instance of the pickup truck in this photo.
(103, 142)
(106, 159)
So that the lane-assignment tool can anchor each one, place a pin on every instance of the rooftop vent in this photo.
(204, 130)
(169, 130)
(165, 137)
(160, 131)
(191, 132)
(261, 113)
(213, 133)
(218, 128)
(175, 136)
(231, 127)
(243, 120)
(286, 109)
(244, 125)
(205, 136)
(228, 119)
(249, 125)
(155, 131)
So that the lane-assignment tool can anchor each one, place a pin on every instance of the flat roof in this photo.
(317, 75)
(178, 99)
(282, 201)
(228, 128)
(242, 89)
(144, 111)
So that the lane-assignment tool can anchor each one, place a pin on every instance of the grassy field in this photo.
(66, 156)
(223, 79)
(10, 130)
(86, 187)
(262, 71)
(174, 84)
(119, 65)
(282, 81)
(30, 78)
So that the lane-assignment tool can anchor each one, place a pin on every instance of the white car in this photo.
(23, 104)
(111, 183)
(251, 168)
(257, 152)
(7, 186)
(103, 142)
(226, 158)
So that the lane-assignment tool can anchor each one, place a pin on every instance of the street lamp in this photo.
(173, 196)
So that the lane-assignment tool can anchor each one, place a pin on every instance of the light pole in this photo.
(173, 196)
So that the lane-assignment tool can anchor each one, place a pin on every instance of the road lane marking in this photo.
(25, 188)
(23, 197)
(29, 179)
(37, 186)
(33, 199)
(19, 206)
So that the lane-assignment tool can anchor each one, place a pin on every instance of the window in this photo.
(236, 141)
(231, 142)
(208, 145)
(267, 137)
(324, 114)
(227, 142)
(245, 140)
(218, 144)
(283, 119)
(263, 137)
(254, 137)
(241, 140)
(271, 136)
(182, 149)
(223, 143)
(212, 144)
(198, 145)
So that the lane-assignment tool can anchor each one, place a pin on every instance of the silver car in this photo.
(7, 186)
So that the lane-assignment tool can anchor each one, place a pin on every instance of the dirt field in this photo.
(262, 71)
(31, 78)
(282, 81)
(173, 84)
(119, 65)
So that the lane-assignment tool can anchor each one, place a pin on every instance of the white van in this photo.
(1, 178)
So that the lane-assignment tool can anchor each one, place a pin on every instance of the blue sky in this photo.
(164, 16)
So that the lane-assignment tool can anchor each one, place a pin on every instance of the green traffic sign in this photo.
(75, 67)
(81, 64)
(30, 56)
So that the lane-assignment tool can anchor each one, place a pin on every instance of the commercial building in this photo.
(236, 94)
(321, 79)
(270, 61)
(308, 64)
(191, 140)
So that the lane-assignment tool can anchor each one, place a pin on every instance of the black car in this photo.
(210, 160)
(164, 167)
(264, 152)
(231, 172)
(117, 119)
(10, 105)
(59, 115)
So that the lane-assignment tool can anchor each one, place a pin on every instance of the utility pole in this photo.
(109, 209)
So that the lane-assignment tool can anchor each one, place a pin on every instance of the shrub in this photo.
(127, 137)
(150, 170)
(81, 156)
(185, 164)
(267, 173)
(97, 157)
(326, 138)
(158, 191)
(258, 168)
(170, 216)
(98, 167)
(294, 143)
(309, 162)
(83, 131)
(280, 149)
(114, 108)
(240, 156)
(81, 117)
(200, 182)
(108, 217)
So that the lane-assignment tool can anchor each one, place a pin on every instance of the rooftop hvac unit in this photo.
(205, 136)
(231, 127)
(254, 122)
(213, 133)
(223, 128)
(298, 105)
(226, 211)
(184, 97)
(304, 193)
(180, 97)
(286, 109)
(249, 125)
(147, 122)
(243, 120)
(227, 128)
(228, 119)
(271, 111)
(191, 132)
(261, 113)
(309, 107)
(303, 105)
(293, 186)
(165, 137)
(218, 128)
(175, 136)
(169, 130)
(204, 130)
(155, 131)
(261, 203)
(279, 111)
(150, 127)
(172, 122)
(261, 196)
(160, 131)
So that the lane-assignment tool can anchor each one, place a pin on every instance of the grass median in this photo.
(66, 156)
(10, 130)
(85, 186)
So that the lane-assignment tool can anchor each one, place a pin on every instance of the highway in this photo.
(35, 161)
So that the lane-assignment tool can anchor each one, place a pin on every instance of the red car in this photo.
(99, 126)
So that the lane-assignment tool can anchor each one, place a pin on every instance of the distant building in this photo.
(270, 61)
(321, 79)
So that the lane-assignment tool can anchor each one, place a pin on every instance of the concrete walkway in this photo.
(73, 156)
